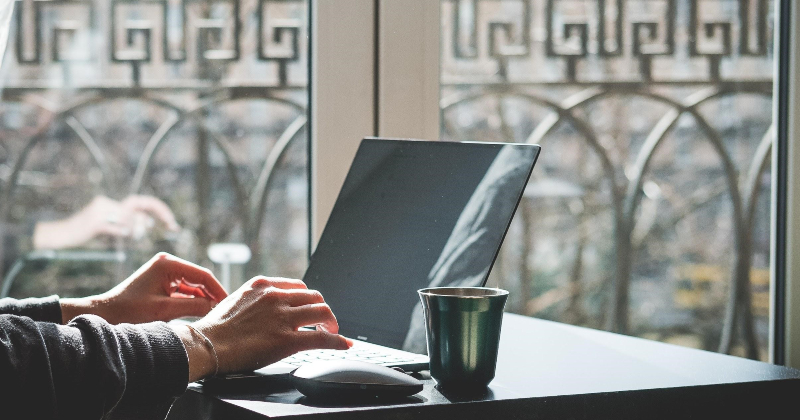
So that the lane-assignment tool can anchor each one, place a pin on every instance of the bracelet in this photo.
(210, 344)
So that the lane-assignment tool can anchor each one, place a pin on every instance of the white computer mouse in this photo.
(350, 380)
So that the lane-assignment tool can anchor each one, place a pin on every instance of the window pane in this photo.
(201, 104)
(648, 212)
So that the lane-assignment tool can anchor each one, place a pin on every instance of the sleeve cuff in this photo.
(156, 358)
(46, 309)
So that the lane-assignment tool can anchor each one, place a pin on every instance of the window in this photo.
(649, 211)
(201, 104)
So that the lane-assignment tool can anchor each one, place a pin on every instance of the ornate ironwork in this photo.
(575, 38)
(188, 60)
(216, 39)
(566, 57)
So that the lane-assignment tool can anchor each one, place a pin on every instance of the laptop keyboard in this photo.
(377, 355)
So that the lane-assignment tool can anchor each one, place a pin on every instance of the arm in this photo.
(88, 367)
(39, 309)
(84, 369)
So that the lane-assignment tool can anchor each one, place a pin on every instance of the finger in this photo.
(307, 340)
(190, 289)
(317, 314)
(277, 282)
(300, 297)
(192, 275)
(153, 206)
(177, 307)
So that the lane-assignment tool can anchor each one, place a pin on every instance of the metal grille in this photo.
(200, 103)
(648, 213)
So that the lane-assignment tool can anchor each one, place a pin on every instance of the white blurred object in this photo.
(6, 10)
(553, 187)
(226, 254)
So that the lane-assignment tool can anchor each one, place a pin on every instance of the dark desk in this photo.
(551, 370)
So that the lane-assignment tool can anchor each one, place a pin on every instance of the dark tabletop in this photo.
(550, 370)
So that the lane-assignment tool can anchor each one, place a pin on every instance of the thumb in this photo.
(180, 307)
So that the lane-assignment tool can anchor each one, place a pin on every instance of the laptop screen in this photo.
(414, 214)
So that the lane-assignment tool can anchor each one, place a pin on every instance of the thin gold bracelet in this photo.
(210, 344)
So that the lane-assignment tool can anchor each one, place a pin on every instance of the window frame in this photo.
(374, 66)
(785, 264)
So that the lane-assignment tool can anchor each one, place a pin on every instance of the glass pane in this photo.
(648, 212)
(200, 104)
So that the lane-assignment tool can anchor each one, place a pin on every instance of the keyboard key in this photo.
(361, 352)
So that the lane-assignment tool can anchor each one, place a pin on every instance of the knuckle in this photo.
(259, 282)
(248, 294)
(325, 310)
(290, 281)
(271, 294)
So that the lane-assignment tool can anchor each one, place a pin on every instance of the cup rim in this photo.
(428, 292)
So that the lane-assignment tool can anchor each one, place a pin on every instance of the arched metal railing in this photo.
(570, 59)
(184, 64)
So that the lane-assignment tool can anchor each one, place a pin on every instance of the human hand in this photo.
(164, 288)
(131, 217)
(258, 325)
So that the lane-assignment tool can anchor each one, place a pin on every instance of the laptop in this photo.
(411, 214)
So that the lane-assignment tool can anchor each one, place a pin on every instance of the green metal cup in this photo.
(462, 326)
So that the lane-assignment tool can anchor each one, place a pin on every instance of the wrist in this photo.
(202, 362)
(72, 307)
(48, 234)
(64, 233)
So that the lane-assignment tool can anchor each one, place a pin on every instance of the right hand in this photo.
(258, 325)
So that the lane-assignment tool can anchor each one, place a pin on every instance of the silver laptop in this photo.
(411, 214)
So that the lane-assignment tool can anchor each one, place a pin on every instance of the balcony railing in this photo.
(655, 122)
(202, 104)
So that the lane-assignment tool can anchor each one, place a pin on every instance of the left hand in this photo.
(164, 288)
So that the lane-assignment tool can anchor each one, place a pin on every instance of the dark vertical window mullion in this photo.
(376, 66)
(309, 122)
(782, 144)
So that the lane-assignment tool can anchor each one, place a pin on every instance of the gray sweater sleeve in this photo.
(38, 309)
(86, 368)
